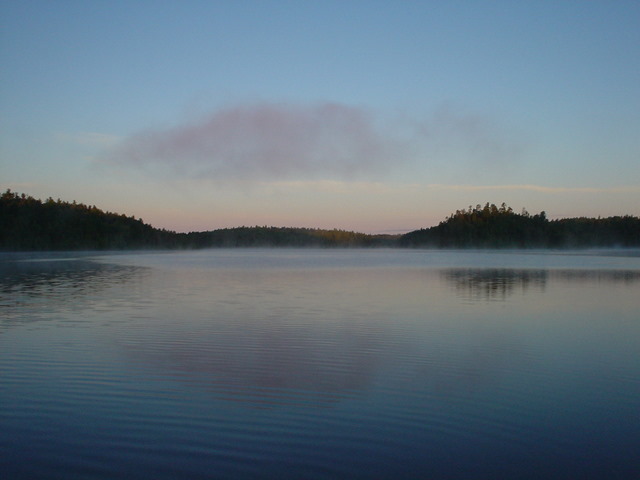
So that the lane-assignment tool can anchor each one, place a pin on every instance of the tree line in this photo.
(27, 224)
(285, 237)
(500, 227)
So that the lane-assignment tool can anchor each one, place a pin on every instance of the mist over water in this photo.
(294, 363)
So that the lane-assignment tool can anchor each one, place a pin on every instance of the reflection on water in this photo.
(491, 284)
(31, 290)
(600, 276)
(301, 364)
(268, 353)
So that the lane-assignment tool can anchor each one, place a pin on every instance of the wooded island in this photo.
(29, 224)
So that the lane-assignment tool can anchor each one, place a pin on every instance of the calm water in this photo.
(320, 364)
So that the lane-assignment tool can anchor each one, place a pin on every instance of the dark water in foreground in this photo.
(320, 364)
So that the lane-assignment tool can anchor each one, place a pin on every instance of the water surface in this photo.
(297, 363)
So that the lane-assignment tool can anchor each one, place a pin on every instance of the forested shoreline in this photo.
(500, 227)
(29, 224)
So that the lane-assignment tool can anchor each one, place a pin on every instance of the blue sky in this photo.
(361, 115)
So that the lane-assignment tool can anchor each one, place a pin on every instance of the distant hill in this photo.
(286, 237)
(30, 224)
(500, 227)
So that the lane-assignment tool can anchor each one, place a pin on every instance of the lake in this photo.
(320, 364)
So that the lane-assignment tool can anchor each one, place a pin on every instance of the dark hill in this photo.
(501, 227)
(30, 224)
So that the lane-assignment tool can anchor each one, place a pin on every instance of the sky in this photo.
(373, 116)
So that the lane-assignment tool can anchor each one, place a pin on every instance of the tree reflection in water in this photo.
(497, 284)
(30, 289)
(494, 284)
